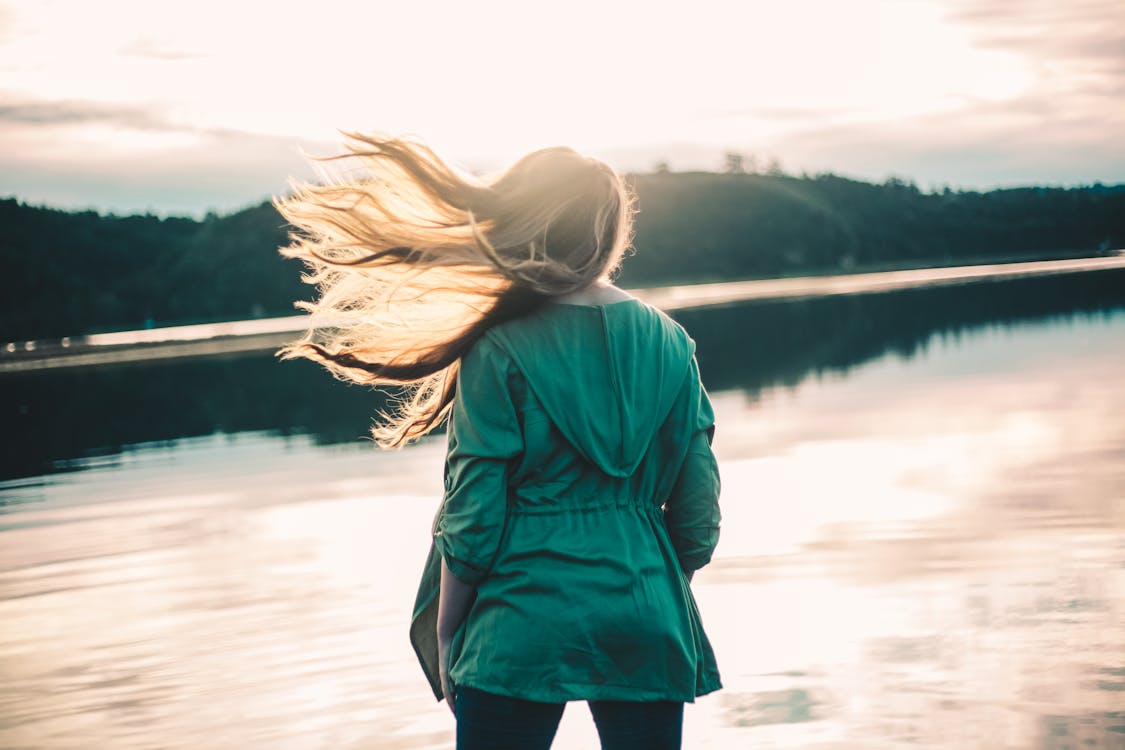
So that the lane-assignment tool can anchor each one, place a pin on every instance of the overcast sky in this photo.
(134, 105)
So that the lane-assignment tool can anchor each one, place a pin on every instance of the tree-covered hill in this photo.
(71, 273)
(710, 227)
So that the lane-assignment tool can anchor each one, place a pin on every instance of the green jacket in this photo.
(579, 487)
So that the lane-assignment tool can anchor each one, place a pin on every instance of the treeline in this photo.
(68, 273)
(72, 273)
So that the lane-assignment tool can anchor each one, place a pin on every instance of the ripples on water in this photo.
(924, 551)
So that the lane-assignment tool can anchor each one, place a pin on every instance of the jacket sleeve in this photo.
(484, 437)
(691, 512)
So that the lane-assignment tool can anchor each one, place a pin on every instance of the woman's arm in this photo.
(691, 512)
(453, 604)
(484, 438)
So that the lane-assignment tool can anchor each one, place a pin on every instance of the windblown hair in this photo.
(414, 260)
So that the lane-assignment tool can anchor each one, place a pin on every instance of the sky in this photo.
(181, 108)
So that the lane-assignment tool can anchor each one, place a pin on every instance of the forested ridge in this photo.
(68, 273)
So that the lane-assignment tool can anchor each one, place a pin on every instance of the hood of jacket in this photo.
(607, 375)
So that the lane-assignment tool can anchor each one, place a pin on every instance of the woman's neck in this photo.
(596, 294)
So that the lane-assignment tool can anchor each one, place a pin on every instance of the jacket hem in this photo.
(563, 692)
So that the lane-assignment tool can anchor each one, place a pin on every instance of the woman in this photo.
(581, 492)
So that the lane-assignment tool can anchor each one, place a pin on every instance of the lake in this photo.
(923, 539)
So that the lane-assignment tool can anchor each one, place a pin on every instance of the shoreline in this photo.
(265, 334)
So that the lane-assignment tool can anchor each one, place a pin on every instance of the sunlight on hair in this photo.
(414, 260)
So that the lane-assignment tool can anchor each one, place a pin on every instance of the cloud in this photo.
(985, 145)
(75, 112)
(126, 159)
(1034, 138)
(37, 116)
(148, 48)
(223, 172)
(1061, 124)
(1086, 35)
(788, 114)
(1063, 127)
(1047, 110)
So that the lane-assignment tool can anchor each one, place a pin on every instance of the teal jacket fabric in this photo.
(580, 488)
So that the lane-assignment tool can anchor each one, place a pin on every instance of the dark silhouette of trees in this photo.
(69, 273)
(734, 162)
(696, 227)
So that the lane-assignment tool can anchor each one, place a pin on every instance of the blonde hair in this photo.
(414, 260)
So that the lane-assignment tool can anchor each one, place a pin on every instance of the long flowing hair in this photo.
(415, 259)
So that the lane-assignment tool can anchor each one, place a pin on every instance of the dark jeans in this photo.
(497, 722)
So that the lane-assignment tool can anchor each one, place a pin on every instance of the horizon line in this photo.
(933, 189)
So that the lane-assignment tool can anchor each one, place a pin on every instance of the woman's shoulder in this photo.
(561, 325)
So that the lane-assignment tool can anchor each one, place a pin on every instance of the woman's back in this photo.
(581, 492)
(580, 488)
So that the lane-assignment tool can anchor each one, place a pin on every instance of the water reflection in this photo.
(923, 543)
(258, 605)
(64, 417)
(758, 346)
(933, 550)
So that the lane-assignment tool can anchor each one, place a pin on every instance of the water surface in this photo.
(923, 542)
